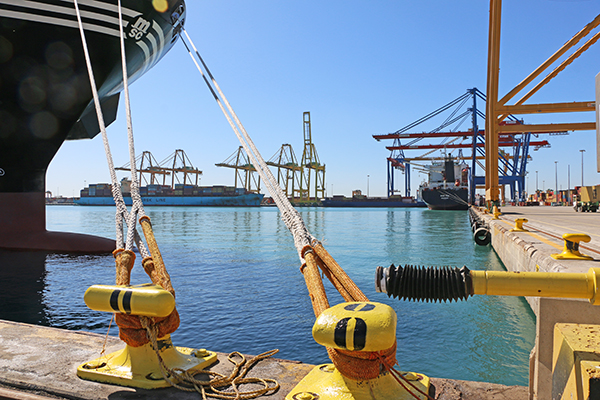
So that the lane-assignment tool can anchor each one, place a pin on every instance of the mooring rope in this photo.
(121, 211)
(137, 208)
(130, 325)
(453, 196)
(290, 215)
(178, 377)
(311, 252)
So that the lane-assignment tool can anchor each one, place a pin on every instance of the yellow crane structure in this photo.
(498, 110)
(310, 166)
(177, 165)
(289, 172)
(245, 173)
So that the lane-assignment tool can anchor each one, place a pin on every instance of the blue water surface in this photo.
(238, 284)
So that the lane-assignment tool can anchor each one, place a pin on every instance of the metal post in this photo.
(569, 184)
(556, 179)
(367, 185)
(536, 181)
(390, 176)
(474, 151)
(407, 179)
(491, 115)
(582, 150)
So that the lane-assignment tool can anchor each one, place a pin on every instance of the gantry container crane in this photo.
(245, 173)
(512, 167)
(175, 164)
(289, 172)
(310, 163)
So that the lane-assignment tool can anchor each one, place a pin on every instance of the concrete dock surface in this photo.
(547, 224)
(40, 363)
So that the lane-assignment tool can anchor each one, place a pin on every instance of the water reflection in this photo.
(236, 274)
(22, 276)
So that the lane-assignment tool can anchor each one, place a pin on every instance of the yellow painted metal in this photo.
(540, 284)
(559, 68)
(559, 53)
(496, 212)
(576, 362)
(576, 106)
(360, 326)
(571, 249)
(519, 225)
(139, 366)
(492, 188)
(573, 126)
(148, 300)
(325, 382)
(590, 193)
(497, 111)
(310, 162)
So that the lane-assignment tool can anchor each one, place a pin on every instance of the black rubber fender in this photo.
(482, 236)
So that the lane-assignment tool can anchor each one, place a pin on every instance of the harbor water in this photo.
(239, 287)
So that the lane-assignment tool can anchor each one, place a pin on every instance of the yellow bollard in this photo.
(148, 300)
(571, 250)
(140, 367)
(496, 213)
(362, 328)
(519, 225)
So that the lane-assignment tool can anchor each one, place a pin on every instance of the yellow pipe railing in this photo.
(540, 284)
(442, 284)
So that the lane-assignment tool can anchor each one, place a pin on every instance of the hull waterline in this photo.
(45, 97)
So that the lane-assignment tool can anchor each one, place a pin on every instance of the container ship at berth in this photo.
(360, 200)
(166, 195)
(46, 96)
(447, 187)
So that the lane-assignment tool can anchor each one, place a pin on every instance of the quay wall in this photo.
(529, 252)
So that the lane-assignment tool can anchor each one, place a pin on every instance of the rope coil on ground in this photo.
(179, 378)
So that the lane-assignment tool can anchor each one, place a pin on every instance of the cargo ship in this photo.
(360, 200)
(46, 96)
(447, 187)
(165, 195)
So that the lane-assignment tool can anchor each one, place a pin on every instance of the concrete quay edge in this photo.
(530, 251)
(39, 363)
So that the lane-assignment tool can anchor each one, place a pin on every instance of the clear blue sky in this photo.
(360, 68)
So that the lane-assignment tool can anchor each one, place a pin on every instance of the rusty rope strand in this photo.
(175, 376)
(338, 272)
(397, 375)
(106, 337)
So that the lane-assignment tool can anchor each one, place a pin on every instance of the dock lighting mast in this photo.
(556, 178)
(582, 150)
(310, 163)
(498, 110)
